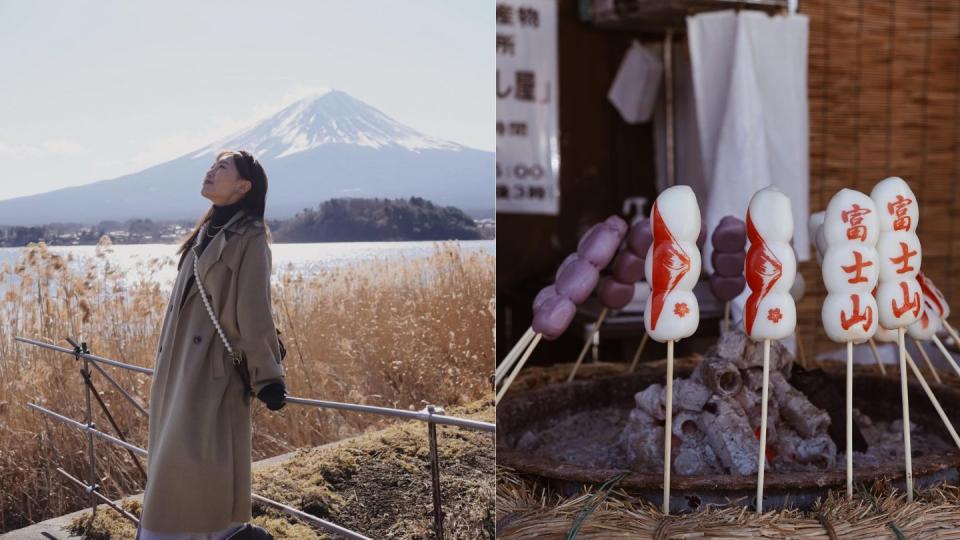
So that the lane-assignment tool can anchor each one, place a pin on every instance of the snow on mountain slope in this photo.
(332, 117)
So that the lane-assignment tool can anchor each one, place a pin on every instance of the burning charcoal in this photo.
(640, 417)
(730, 436)
(696, 459)
(688, 461)
(650, 401)
(819, 451)
(749, 401)
(643, 444)
(731, 345)
(780, 357)
(753, 379)
(816, 386)
(689, 395)
(719, 375)
(692, 452)
(685, 427)
(796, 409)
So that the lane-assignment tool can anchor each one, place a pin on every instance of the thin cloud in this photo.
(173, 145)
(50, 148)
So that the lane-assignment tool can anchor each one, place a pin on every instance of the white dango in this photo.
(771, 265)
(850, 268)
(672, 266)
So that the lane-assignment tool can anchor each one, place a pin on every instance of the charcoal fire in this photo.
(716, 422)
(716, 417)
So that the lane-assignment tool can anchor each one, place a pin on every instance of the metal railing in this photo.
(432, 415)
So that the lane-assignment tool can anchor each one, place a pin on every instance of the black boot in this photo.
(250, 532)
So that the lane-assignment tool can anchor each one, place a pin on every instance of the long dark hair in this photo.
(254, 202)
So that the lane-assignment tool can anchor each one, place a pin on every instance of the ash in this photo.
(716, 423)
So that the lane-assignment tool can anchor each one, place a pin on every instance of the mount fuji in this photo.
(325, 146)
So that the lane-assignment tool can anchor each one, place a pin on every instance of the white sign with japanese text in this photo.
(528, 159)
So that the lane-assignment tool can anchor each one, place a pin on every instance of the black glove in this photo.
(273, 395)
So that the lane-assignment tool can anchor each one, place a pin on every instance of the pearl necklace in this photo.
(206, 302)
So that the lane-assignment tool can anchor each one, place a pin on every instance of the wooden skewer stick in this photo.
(668, 430)
(513, 375)
(876, 356)
(636, 357)
(926, 358)
(849, 420)
(933, 401)
(905, 402)
(726, 316)
(946, 353)
(803, 356)
(763, 424)
(952, 332)
(512, 356)
(515, 352)
(586, 344)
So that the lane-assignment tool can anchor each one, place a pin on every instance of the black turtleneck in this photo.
(221, 215)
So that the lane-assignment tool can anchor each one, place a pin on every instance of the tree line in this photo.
(335, 220)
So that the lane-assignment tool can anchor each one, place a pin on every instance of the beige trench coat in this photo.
(199, 440)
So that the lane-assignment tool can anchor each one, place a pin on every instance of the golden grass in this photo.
(396, 332)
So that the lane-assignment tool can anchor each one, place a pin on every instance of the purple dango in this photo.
(553, 317)
(614, 294)
(577, 280)
(627, 267)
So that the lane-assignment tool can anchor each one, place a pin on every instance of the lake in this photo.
(307, 258)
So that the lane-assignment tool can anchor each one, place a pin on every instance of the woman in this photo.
(198, 478)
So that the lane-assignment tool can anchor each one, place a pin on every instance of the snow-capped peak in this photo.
(328, 117)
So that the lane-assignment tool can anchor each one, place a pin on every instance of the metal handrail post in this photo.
(85, 373)
(113, 422)
(435, 471)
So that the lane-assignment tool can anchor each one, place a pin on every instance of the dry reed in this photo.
(527, 510)
(397, 332)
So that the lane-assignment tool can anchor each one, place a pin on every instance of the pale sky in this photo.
(91, 90)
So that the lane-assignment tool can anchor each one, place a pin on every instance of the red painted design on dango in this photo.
(670, 264)
(763, 270)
